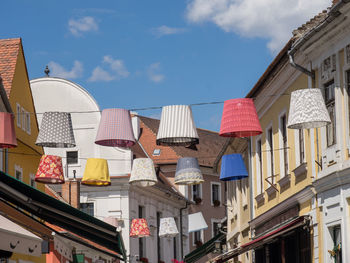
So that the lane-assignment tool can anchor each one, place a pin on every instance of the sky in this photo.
(151, 53)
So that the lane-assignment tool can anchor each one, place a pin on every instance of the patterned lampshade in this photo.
(307, 110)
(177, 127)
(139, 228)
(143, 172)
(96, 173)
(56, 130)
(167, 227)
(239, 119)
(232, 167)
(196, 222)
(188, 172)
(50, 170)
(115, 129)
(7, 131)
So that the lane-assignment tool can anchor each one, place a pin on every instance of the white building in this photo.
(119, 202)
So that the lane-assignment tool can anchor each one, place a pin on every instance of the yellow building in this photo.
(21, 162)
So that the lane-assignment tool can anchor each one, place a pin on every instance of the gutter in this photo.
(181, 231)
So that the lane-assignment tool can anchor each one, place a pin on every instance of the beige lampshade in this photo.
(143, 172)
(167, 227)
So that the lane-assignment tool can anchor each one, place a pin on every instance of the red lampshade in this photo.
(7, 131)
(139, 228)
(239, 119)
(50, 170)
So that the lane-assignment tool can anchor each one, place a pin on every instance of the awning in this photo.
(16, 239)
(60, 214)
(265, 237)
(205, 249)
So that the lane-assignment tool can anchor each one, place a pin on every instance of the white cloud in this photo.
(117, 65)
(58, 71)
(82, 25)
(99, 74)
(152, 73)
(117, 70)
(271, 19)
(165, 30)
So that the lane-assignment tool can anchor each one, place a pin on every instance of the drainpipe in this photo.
(250, 181)
(181, 238)
(300, 68)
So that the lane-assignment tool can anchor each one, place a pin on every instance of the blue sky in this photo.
(136, 54)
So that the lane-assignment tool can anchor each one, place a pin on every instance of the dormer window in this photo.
(156, 152)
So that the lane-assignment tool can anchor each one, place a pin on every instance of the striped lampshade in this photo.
(115, 129)
(50, 170)
(56, 130)
(96, 173)
(139, 228)
(188, 172)
(7, 131)
(307, 110)
(177, 127)
(239, 119)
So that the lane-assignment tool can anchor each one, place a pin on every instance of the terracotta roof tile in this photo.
(9, 49)
(309, 25)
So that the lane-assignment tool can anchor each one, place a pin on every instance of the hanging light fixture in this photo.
(167, 227)
(232, 167)
(196, 222)
(188, 172)
(56, 130)
(7, 131)
(139, 228)
(143, 172)
(307, 110)
(96, 173)
(50, 170)
(239, 119)
(177, 127)
(115, 129)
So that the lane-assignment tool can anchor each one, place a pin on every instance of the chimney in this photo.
(71, 191)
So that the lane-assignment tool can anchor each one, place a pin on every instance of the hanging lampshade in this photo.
(56, 130)
(115, 129)
(188, 172)
(50, 170)
(196, 222)
(232, 167)
(239, 119)
(7, 131)
(307, 110)
(167, 227)
(177, 127)
(139, 228)
(143, 172)
(96, 173)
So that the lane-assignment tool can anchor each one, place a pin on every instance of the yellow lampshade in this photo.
(96, 173)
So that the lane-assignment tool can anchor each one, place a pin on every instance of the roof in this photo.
(60, 214)
(9, 49)
(209, 147)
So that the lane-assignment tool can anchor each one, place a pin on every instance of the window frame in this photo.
(270, 154)
(199, 189)
(93, 205)
(259, 166)
(201, 236)
(212, 194)
(330, 104)
(283, 141)
(19, 169)
(214, 221)
(18, 115)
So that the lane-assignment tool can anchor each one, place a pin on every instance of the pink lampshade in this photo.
(50, 170)
(139, 228)
(7, 131)
(239, 119)
(115, 129)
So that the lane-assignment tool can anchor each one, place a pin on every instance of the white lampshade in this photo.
(307, 110)
(177, 127)
(196, 222)
(143, 172)
(167, 227)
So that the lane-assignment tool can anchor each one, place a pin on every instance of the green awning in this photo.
(60, 214)
(205, 249)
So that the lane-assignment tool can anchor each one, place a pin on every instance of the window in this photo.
(18, 115)
(196, 193)
(283, 133)
(27, 116)
(141, 240)
(159, 256)
(23, 113)
(18, 173)
(347, 79)
(336, 236)
(301, 146)
(175, 248)
(32, 180)
(156, 152)
(215, 228)
(72, 157)
(270, 153)
(329, 95)
(259, 167)
(198, 238)
(215, 194)
(87, 208)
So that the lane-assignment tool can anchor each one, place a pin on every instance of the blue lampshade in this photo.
(233, 167)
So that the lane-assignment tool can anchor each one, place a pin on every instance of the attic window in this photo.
(156, 152)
